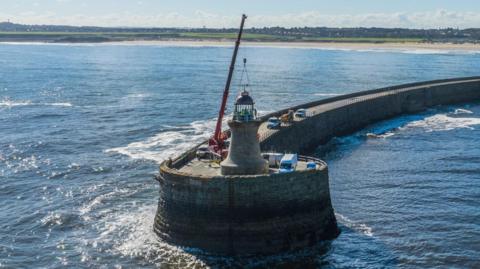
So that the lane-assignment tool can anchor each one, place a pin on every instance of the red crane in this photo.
(217, 142)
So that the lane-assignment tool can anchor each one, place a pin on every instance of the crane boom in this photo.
(217, 137)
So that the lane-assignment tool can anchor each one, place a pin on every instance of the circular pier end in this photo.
(244, 215)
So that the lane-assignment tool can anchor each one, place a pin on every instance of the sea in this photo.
(84, 127)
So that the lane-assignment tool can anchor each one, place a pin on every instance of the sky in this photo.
(226, 13)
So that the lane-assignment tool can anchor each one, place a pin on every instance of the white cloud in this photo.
(428, 19)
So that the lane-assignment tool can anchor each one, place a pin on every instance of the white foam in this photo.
(384, 135)
(441, 51)
(419, 51)
(359, 227)
(462, 111)
(325, 47)
(6, 102)
(86, 208)
(130, 233)
(51, 219)
(9, 103)
(168, 144)
(135, 96)
(58, 104)
(378, 49)
(326, 94)
(442, 122)
(18, 164)
(426, 51)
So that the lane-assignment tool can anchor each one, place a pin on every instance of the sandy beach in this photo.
(320, 45)
(401, 47)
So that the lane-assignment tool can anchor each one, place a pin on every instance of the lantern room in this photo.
(244, 110)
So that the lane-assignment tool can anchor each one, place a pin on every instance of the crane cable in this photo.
(245, 74)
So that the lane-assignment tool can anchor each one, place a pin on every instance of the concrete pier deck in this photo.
(208, 168)
(348, 113)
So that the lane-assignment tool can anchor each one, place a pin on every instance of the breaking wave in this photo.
(359, 227)
(444, 122)
(462, 111)
(58, 104)
(130, 234)
(169, 143)
(384, 135)
(434, 121)
(10, 103)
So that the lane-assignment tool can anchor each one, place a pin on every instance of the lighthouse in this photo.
(244, 156)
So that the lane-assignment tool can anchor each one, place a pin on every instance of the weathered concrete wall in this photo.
(245, 214)
(355, 111)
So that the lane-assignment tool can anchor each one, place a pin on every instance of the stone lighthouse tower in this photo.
(244, 156)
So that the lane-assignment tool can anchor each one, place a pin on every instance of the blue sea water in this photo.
(84, 127)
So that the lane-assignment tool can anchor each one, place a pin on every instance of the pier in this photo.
(345, 114)
(272, 213)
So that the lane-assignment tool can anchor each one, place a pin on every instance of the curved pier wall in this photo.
(245, 214)
(349, 113)
(270, 214)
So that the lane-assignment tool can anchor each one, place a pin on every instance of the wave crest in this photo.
(169, 143)
(443, 122)
(6, 102)
(359, 227)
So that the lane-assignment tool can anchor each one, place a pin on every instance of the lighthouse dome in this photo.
(244, 99)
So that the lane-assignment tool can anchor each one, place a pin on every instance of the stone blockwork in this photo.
(238, 215)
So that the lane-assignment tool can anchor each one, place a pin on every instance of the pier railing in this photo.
(311, 159)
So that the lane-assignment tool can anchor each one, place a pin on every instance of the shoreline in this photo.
(314, 45)
(306, 45)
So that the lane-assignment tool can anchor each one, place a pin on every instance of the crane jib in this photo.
(218, 138)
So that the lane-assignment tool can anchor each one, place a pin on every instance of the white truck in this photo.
(288, 163)
(273, 159)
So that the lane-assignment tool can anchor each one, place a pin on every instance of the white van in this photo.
(288, 163)
(273, 158)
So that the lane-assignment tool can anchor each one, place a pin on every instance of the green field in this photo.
(229, 36)
(365, 39)
(128, 36)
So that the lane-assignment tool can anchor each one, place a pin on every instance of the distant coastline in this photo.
(298, 36)
(102, 37)
(320, 45)
(387, 46)
(423, 40)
